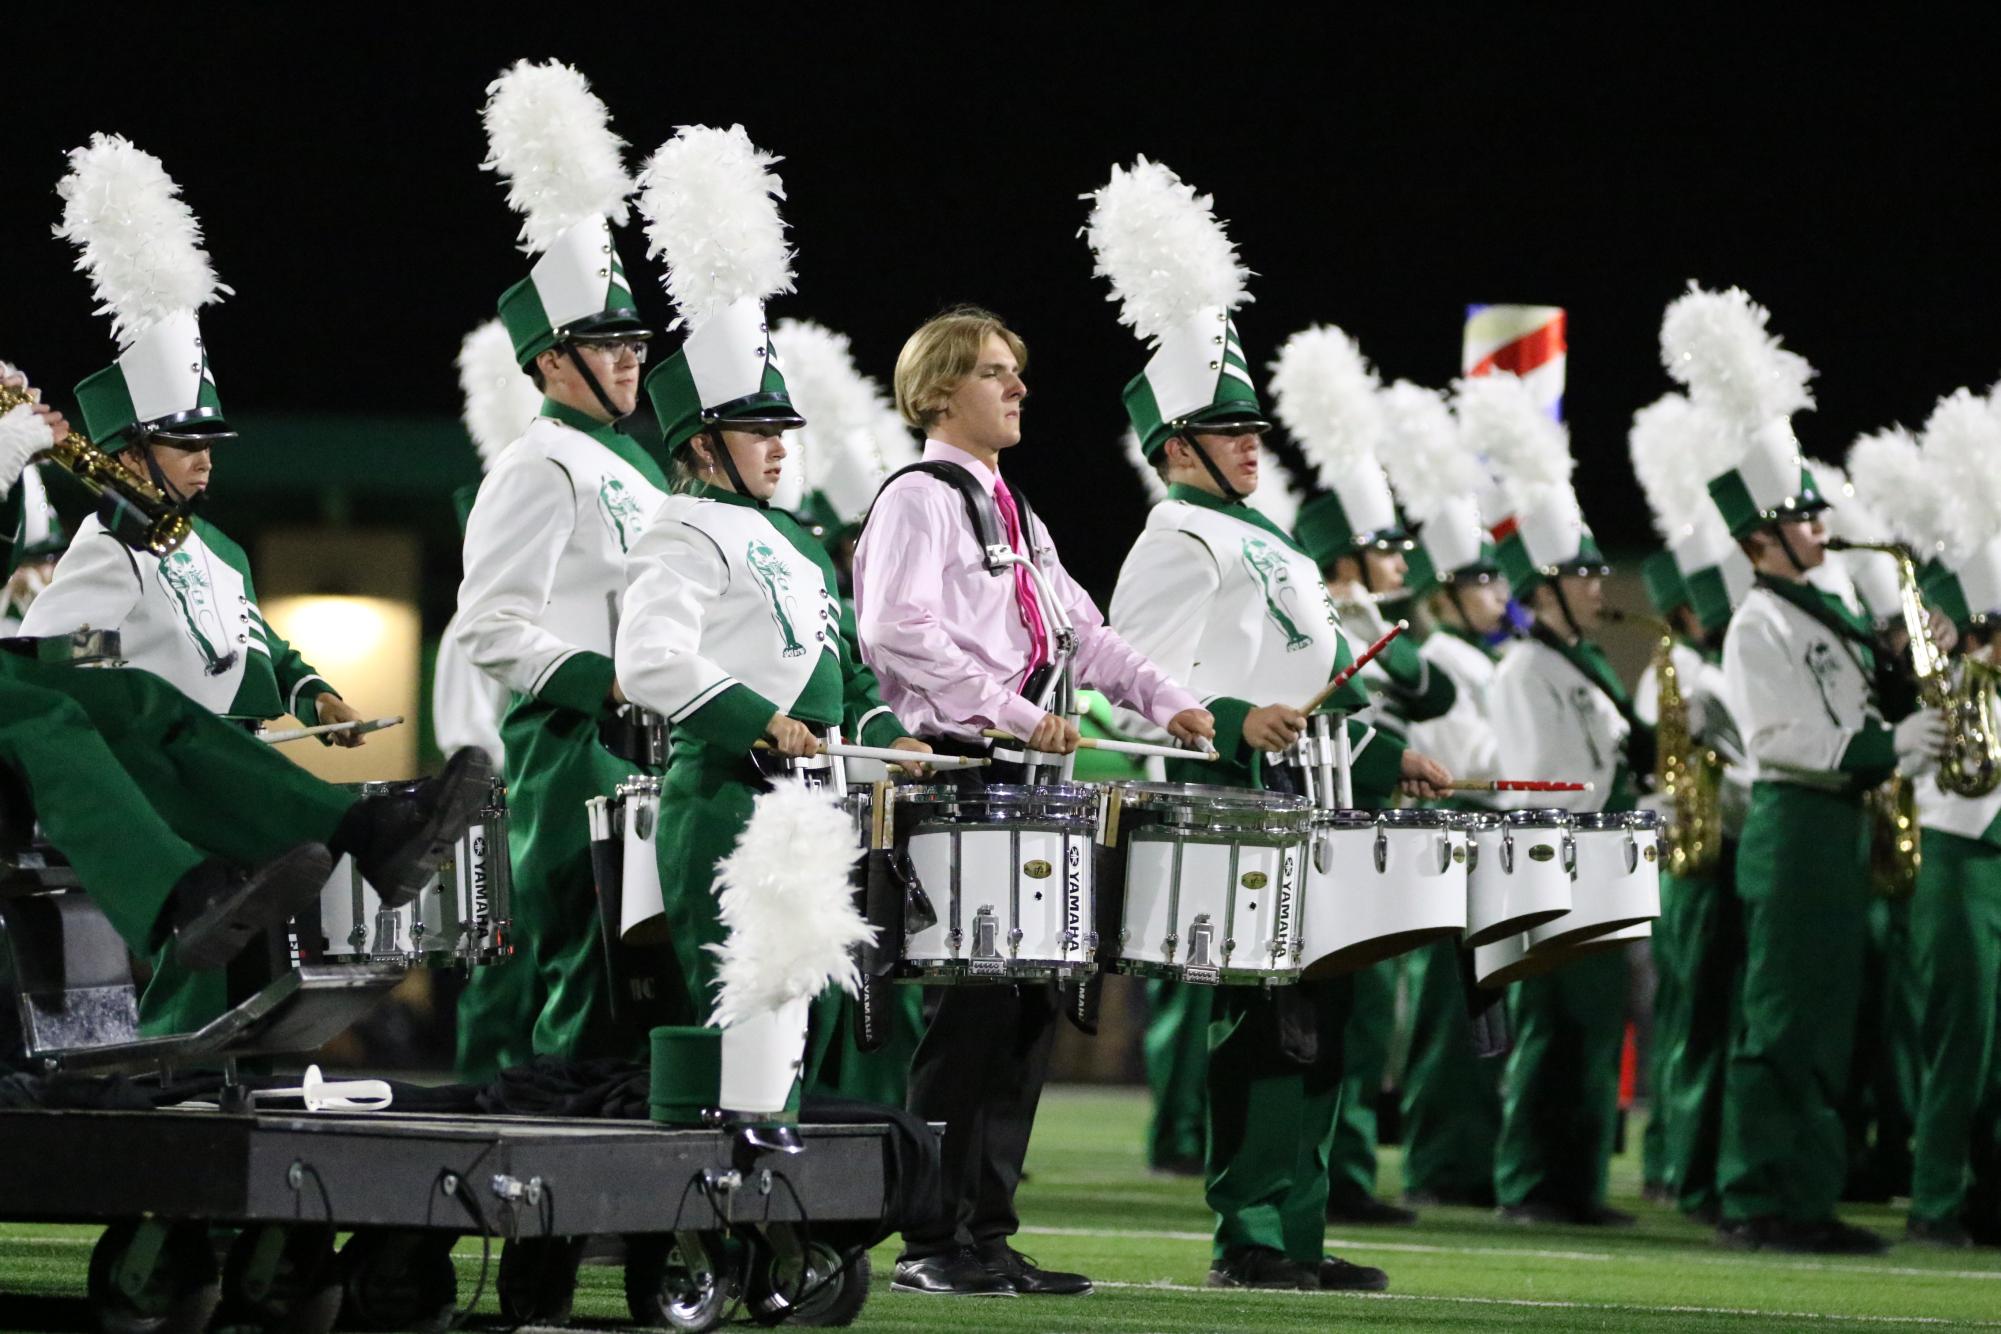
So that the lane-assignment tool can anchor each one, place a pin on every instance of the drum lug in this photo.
(1169, 945)
(1320, 842)
(1382, 850)
(1508, 851)
(1570, 854)
(1014, 942)
(1632, 853)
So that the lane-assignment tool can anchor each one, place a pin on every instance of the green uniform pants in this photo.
(1365, 1054)
(1271, 1121)
(1664, 1018)
(836, 1066)
(496, 1012)
(1803, 877)
(1701, 947)
(1882, 1097)
(1176, 1048)
(1956, 935)
(1560, 1093)
(554, 764)
(1451, 1098)
(222, 790)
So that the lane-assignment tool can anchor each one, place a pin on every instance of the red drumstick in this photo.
(1518, 785)
(1368, 656)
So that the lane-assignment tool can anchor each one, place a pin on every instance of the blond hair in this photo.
(941, 354)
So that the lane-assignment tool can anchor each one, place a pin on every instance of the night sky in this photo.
(1375, 175)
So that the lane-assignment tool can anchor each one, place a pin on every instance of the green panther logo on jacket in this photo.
(620, 511)
(188, 585)
(1268, 567)
(776, 579)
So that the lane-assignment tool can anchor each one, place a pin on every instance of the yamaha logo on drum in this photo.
(481, 916)
(1281, 920)
(1073, 889)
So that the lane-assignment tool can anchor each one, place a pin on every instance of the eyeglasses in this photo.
(614, 348)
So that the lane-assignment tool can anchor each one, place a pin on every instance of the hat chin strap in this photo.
(1563, 604)
(721, 446)
(1786, 545)
(1190, 439)
(569, 347)
(142, 440)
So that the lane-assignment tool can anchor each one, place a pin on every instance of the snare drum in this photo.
(1008, 870)
(461, 915)
(1212, 880)
(1618, 881)
(1521, 865)
(1379, 884)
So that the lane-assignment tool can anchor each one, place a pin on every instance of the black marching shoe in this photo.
(398, 839)
(956, 1274)
(1338, 1275)
(1028, 1278)
(215, 910)
(1368, 1211)
(1830, 1237)
(1944, 1233)
(1261, 1267)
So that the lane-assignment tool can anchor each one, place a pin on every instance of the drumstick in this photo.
(357, 727)
(1347, 673)
(1515, 785)
(842, 750)
(1114, 747)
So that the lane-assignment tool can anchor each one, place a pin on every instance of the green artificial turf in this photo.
(1091, 1205)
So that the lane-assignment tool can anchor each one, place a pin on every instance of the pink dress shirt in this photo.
(946, 639)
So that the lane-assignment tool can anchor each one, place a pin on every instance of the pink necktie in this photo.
(1024, 589)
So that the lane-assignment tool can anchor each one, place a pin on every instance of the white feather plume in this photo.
(1277, 499)
(1427, 462)
(1962, 451)
(500, 400)
(1167, 255)
(840, 450)
(1849, 517)
(1325, 392)
(1890, 478)
(895, 439)
(1520, 442)
(1149, 480)
(1676, 447)
(1716, 344)
(549, 137)
(711, 204)
(784, 895)
(135, 237)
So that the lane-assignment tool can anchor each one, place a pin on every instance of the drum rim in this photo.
(1621, 821)
(1415, 818)
(1223, 796)
(938, 794)
(1479, 822)
(1542, 817)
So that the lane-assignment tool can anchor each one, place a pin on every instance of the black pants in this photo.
(979, 1069)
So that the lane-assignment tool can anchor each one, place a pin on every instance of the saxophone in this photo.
(132, 508)
(1684, 770)
(1969, 766)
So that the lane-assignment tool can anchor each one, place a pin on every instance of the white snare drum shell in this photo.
(1385, 889)
(1618, 880)
(1520, 878)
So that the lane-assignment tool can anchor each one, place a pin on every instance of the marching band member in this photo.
(1558, 710)
(1451, 1108)
(546, 542)
(190, 617)
(1215, 590)
(1697, 943)
(732, 627)
(497, 1009)
(1803, 672)
(1941, 498)
(192, 837)
(1353, 532)
(955, 649)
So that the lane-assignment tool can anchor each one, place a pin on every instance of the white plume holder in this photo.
(642, 907)
(340, 1095)
(763, 1058)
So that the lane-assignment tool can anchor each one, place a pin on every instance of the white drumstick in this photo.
(842, 750)
(356, 726)
(1116, 747)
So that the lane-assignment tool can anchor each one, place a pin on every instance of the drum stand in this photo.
(1325, 761)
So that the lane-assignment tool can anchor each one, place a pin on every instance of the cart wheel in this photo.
(175, 1293)
(664, 1290)
(538, 1279)
(810, 1288)
(280, 1280)
(398, 1280)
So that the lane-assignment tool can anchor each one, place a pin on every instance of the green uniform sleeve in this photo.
(732, 720)
(1375, 772)
(1230, 715)
(1871, 755)
(1419, 693)
(582, 682)
(298, 683)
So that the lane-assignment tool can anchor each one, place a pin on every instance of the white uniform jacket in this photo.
(1463, 739)
(1552, 721)
(545, 550)
(190, 617)
(466, 703)
(1801, 695)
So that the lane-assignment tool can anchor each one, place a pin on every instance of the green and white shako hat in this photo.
(141, 245)
(1939, 494)
(550, 138)
(1675, 448)
(1176, 279)
(1715, 573)
(1547, 537)
(1455, 546)
(1770, 483)
(710, 200)
(576, 290)
(1968, 588)
(1326, 394)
